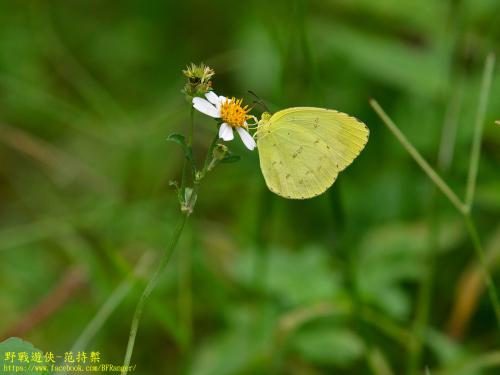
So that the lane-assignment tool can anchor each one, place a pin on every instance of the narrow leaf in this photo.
(181, 141)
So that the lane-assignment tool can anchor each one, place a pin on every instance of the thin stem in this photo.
(186, 161)
(153, 281)
(191, 127)
(444, 159)
(471, 227)
(185, 295)
(452, 197)
(111, 304)
(478, 130)
(207, 164)
(450, 127)
(443, 186)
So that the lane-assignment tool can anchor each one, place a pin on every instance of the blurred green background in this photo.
(89, 91)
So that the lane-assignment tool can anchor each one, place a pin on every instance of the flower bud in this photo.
(198, 80)
(220, 151)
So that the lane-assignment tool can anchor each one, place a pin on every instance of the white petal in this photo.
(204, 106)
(212, 97)
(221, 100)
(226, 132)
(246, 138)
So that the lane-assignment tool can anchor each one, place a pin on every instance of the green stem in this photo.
(444, 159)
(478, 130)
(191, 127)
(431, 173)
(438, 181)
(111, 304)
(450, 127)
(207, 164)
(186, 161)
(153, 281)
(185, 294)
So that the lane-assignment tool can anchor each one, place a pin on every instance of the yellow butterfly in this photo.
(303, 149)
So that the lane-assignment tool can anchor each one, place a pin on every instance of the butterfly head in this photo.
(264, 121)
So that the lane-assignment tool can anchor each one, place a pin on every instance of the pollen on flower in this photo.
(233, 113)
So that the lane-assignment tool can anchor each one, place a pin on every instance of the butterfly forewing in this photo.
(344, 135)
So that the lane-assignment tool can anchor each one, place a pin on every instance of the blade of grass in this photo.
(431, 173)
(444, 159)
(478, 130)
(450, 127)
(111, 304)
(153, 281)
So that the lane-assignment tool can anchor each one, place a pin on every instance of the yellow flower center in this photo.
(233, 113)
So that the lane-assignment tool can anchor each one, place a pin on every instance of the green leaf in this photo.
(181, 141)
(393, 255)
(288, 270)
(17, 356)
(329, 346)
(239, 348)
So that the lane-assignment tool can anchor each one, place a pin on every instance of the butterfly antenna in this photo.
(259, 100)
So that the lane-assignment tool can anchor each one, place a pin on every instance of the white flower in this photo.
(232, 114)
